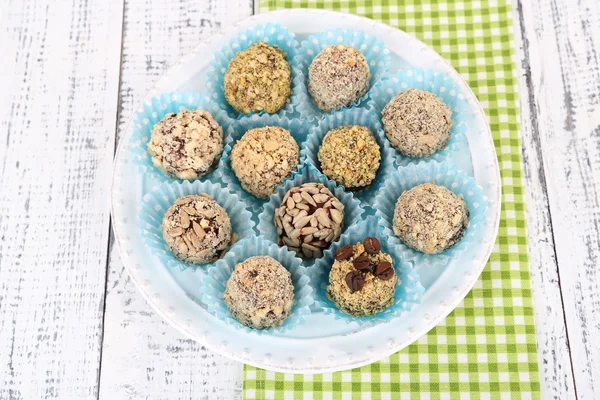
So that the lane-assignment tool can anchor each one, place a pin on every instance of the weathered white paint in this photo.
(553, 351)
(143, 356)
(560, 92)
(58, 87)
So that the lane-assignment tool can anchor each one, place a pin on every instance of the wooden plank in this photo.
(563, 45)
(553, 351)
(59, 79)
(143, 356)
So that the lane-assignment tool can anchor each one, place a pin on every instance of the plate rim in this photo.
(459, 295)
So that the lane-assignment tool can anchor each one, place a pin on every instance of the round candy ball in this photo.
(186, 145)
(197, 229)
(258, 79)
(259, 293)
(263, 158)
(362, 280)
(309, 218)
(430, 218)
(350, 156)
(417, 123)
(338, 76)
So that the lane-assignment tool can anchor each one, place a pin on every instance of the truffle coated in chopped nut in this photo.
(260, 293)
(377, 291)
(417, 123)
(186, 145)
(350, 156)
(430, 218)
(258, 79)
(338, 76)
(309, 219)
(197, 229)
(263, 158)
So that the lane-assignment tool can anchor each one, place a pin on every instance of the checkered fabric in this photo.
(485, 349)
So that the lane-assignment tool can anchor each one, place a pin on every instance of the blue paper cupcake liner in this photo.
(374, 50)
(408, 290)
(271, 34)
(155, 204)
(308, 173)
(361, 117)
(299, 129)
(438, 84)
(214, 283)
(444, 174)
(155, 110)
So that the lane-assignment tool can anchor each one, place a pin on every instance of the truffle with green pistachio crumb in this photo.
(350, 156)
(258, 79)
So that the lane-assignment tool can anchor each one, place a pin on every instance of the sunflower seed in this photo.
(323, 218)
(295, 234)
(308, 230)
(320, 198)
(314, 222)
(323, 233)
(200, 233)
(311, 189)
(308, 238)
(301, 222)
(176, 231)
(297, 197)
(302, 206)
(336, 216)
(293, 211)
(291, 242)
(290, 203)
(337, 204)
(308, 199)
(185, 219)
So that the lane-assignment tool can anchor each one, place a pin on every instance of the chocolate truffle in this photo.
(430, 218)
(197, 229)
(338, 76)
(362, 280)
(260, 293)
(417, 123)
(263, 158)
(258, 79)
(309, 219)
(186, 145)
(350, 156)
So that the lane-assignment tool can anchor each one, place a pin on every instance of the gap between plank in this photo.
(110, 232)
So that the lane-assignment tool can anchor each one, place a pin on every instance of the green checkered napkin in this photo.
(486, 348)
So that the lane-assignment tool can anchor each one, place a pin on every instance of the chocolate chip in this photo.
(355, 281)
(372, 245)
(387, 274)
(361, 263)
(382, 267)
(344, 252)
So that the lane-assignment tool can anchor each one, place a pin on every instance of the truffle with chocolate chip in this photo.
(430, 218)
(260, 293)
(309, 219)
(417, 123)
(362, 280)
(350, 156)
(338, 76)
(186, 145)
(197, 229)
(263, 158)
(258, 79)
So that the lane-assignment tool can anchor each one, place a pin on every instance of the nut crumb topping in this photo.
(338, 76)
(430, 218)
(263, 158)
(258, 79)
(417, 123)
(186, 145)
(260, 293)
(350, 156)
(197, 229)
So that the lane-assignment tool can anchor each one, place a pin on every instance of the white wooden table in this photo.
(72, 326)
